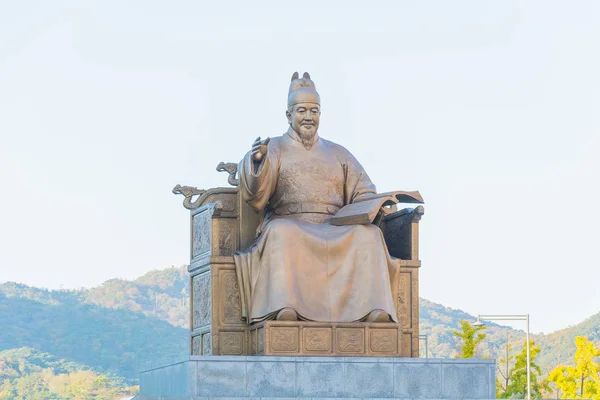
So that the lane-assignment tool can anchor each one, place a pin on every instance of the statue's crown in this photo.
(302, 90)
(305, 82)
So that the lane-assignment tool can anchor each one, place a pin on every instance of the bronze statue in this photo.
(302, 266)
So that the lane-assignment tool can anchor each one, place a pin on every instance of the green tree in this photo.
(504, 370)
(469, 339)
(31, 375)
(31, 387)
(582, 380)
(517, 386)
(7, 390)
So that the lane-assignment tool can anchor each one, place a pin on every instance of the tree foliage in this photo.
(28, 374)
(470, 338)
(504, 369)
(581, 381)
(517, 376)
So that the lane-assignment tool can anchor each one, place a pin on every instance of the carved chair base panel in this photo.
(303, 338)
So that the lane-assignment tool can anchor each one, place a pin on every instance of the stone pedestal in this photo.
(204, 377)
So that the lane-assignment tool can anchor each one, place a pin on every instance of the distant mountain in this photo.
(160, 294)
(559, 347)
(67, 325)
(121, 326)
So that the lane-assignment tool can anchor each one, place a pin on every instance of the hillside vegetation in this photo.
(122, 337)
(29, 374)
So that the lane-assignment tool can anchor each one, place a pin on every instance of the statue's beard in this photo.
(307, 137)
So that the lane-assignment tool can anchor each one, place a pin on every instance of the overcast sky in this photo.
(490, 109)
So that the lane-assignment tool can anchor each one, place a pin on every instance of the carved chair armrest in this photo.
(401, 232)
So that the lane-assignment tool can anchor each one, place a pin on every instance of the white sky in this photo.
(490, 109)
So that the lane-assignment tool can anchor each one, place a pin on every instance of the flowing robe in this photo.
(324, 272)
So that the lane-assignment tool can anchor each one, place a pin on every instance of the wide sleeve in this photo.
(257, 182)
(357, 182)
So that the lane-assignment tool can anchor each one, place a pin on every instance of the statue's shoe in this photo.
(378, 316)
(287, 314)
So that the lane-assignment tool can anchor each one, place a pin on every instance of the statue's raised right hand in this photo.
(259, 149)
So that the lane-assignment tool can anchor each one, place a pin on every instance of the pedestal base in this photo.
(320, 377)
(352, 339)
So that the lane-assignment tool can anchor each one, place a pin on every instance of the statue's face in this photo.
(304, 118)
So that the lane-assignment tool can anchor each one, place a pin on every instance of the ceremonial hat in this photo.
(302, 90)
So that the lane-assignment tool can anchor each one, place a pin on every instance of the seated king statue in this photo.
(302, 267)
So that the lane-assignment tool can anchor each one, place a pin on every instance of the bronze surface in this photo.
(312, 339)
(267, 244)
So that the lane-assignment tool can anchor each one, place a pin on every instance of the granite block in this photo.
(292, 378)
(330, 398)
(323, 359)
(454, 361)
(370, 380)
(179, 380)
(417, 381)
(370, 360)
(316, 379)
(466, 381)
(215, 359)
(492, 378)
(271, 379)
(272, 359)
(171, 380)
(287, 398)
(175, 397)
(193, 371)
(220, 379)
(146, 383)
(234, 398)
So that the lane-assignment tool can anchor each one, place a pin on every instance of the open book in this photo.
(365, 209)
